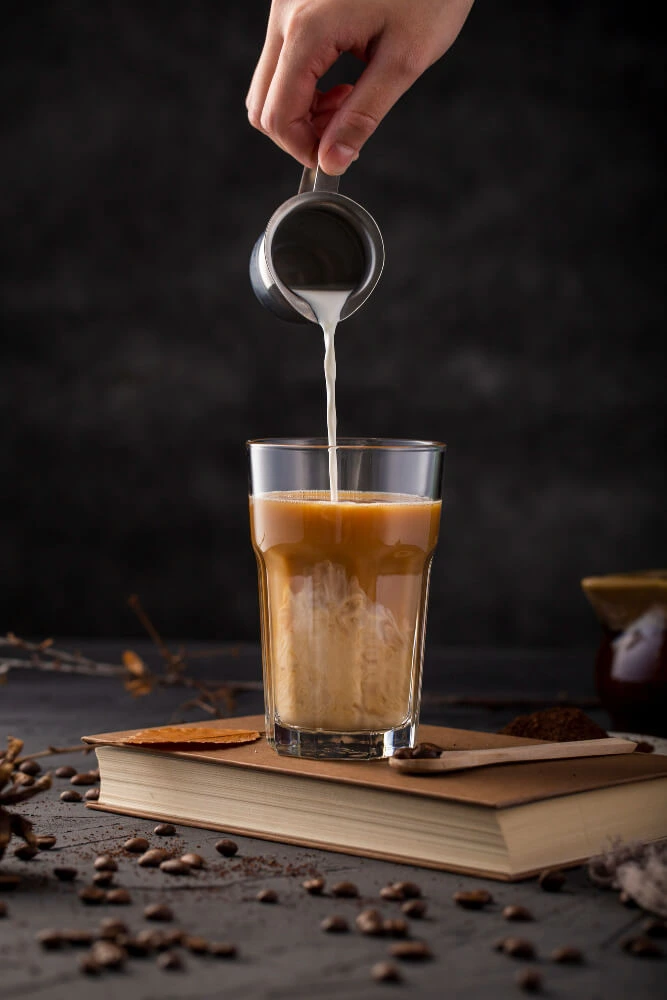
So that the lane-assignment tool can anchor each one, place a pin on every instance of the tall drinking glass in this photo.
(343, 589)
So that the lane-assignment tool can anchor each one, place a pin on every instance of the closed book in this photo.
(506, 821)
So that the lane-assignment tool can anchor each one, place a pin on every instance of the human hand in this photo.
(397, 39)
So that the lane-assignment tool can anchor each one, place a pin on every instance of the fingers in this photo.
(325, 106)
(261, 79)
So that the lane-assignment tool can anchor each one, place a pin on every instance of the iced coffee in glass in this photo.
(343, 589)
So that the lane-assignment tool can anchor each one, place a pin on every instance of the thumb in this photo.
(376, 91)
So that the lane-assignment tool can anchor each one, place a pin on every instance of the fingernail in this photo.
(340, 156)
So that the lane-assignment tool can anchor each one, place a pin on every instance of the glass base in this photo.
(322, 745)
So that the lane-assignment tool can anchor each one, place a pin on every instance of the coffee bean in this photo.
(396, 927)
(529, 980)
(226, 847)
(3, 909)
(516, 912)
(370, 922)
(223, 949)
(89, 966)
(108, 954)
(346, 890)
(410, 951)
(153, 858)
(136, 845)
(111, 928)
(65, 873)
(164, 830)
(84, 778)
(335, 924)
(655, 928)
(642, 946)
(172, 866)
(197, 945)
(403, 753)
(92, 795)
(552, 880)
(148, 939)
(77, 938)
(105, 863)
(473, 899)
(26, 852)
(414, 908)
(567, 955)
(193, 860)
(70, 796)
(91, 895)
(314, 886)
(158, 911)
(46, 842)
(30, 767)
(170, 961)
(50, 939)
(170, 938)
(410, 890)
(136, 948)
(391, 893)
(22, 780)
(518, 948)
(103, 879)
(65, 771)
(386, 972)
(9, 882)
(267, 896)
(425, 751)
(627, 900)
(118, 897)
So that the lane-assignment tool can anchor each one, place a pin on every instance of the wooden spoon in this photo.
(458, 760)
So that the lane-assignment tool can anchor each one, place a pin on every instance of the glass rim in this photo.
(347, 444)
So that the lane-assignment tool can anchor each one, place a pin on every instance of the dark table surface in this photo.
(282, 952)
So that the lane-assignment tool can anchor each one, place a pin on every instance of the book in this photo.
(505, 822)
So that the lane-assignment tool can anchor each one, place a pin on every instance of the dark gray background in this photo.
(519, 187)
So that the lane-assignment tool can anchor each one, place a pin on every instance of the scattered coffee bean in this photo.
(91, 895)
(410, 951)
(26, 852)
(223, 949)
(395, 927)
(655, 928)
(170, 961)
(92, 795)
(314, 886)
(108, 954)
(89, 966)
(346, 890)
(552, 880)
(425, 751)
(153, 858)
(193, 860)
(197, 945)
(171, 938)
(529, 980)
(627, 900)
(22, 780)
(9, 882)
(172, 866)
(65, 874)
(111, 928)
(644, 747)
(403, 753)
(567, 955)
(158, 911)
(71, 795)
(136, 845)
(96, 772)
(227, 848)
(105, 863)
(335, 924)
(3, 908)
(103, 879)
(370, 922)
(77, 938)
(164, 830)
(46, 842)
(473, 899)
(518, 948)
(30, 767)
(118, 897)
(83, 778)
(50, 939)
(386, 972)
(409, 890)
(414, 908)
(642, 947)
(267, 896)
(516, 912)
(136, 948)
(65, 771)
(148, 939)
(391, 893)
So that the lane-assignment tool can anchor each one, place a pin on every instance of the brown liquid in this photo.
(343, 590)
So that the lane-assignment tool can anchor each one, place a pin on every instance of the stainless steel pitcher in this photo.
(319, 239)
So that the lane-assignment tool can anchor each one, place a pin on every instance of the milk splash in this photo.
(327, 304)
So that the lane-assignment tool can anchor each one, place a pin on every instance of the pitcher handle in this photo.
(314, 179)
